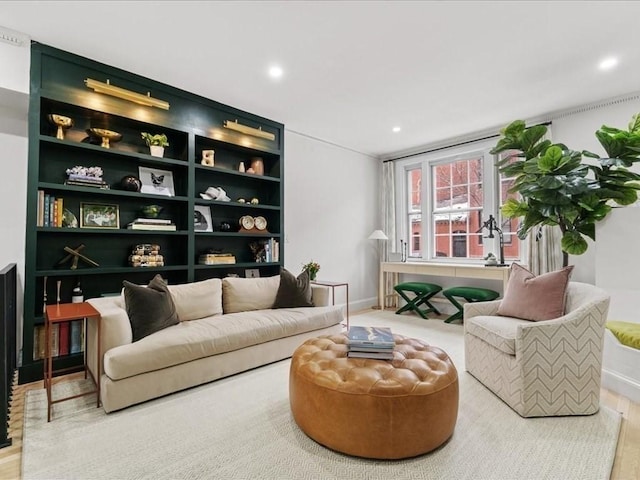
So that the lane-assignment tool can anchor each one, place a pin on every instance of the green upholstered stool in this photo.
(421, 292)
(470, 294)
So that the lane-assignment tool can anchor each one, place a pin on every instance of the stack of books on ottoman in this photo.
(370, 342)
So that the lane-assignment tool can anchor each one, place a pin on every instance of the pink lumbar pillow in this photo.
(535, 298)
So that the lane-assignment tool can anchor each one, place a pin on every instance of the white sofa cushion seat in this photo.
(499, 332)
(205, 337)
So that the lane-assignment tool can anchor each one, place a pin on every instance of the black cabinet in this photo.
(192, 124)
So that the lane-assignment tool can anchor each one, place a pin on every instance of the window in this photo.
(509, 226)
(454, 190)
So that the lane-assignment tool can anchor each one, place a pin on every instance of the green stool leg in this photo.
(414, 304)
(458, 315)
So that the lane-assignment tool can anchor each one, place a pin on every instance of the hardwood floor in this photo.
(626, 466)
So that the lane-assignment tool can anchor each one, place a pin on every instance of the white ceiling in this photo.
(353, 70)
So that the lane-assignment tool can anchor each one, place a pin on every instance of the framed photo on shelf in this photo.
(202, 219)
(156, 182)
(252, 273)
(97, 215)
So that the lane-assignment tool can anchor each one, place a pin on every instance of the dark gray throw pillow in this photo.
(149, 308)
(293, 292)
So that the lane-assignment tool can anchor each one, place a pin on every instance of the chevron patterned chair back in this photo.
(541, 369)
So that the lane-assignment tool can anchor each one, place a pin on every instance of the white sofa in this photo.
(227, 326)
(544, 368)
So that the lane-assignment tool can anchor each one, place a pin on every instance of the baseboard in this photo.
(621, 385)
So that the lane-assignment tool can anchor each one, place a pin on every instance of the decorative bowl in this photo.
(152, 211)
(62, 123)
(107, 136)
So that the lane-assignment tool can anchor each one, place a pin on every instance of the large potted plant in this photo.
(557, 188)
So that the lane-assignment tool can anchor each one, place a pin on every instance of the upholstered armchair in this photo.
(543, 368)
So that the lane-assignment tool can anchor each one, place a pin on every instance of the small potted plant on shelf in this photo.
(156, 143)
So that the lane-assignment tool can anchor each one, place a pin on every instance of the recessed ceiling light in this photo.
(275, 72)
(396, 129)
(608, 63)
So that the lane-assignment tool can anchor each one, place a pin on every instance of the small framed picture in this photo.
(252, 273)
(202, 219)
(97, 215)
(156, 182)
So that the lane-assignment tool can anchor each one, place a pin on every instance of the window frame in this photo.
(425, 162)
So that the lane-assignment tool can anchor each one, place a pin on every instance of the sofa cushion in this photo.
(198, 299)
(190, 341)
(535, 298)
(150, 309)
(499, 332)
(246, 294)
(293, 292)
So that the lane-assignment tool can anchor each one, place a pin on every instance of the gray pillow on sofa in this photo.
(149, 308)
(293, 292)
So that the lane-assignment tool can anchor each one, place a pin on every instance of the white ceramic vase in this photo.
(156, 151)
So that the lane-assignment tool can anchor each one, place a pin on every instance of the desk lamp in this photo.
(492, 226)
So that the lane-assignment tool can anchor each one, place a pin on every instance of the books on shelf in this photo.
(66, 338)
(152, 221)
(167, 227)
(216, 258)
(50, 210)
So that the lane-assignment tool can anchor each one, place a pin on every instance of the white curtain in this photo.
(544, 251)
(543, 245)
(388, 222)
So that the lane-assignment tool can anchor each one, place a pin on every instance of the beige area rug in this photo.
(241, 428)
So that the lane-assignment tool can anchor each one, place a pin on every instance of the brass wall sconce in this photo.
(108, 89)
(256, 132)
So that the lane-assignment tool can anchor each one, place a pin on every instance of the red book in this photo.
(64, 337)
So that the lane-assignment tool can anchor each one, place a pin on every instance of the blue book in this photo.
(76, 336)
(47, 205)
(370, 337)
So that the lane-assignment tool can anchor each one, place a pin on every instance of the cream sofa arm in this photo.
(115, 329)
(477, 309)
(320, 295)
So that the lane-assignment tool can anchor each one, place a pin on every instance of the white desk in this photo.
(439, 270)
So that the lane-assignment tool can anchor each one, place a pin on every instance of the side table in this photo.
(333, 285)
(65, 312)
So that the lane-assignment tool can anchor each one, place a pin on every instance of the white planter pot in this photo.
(156, 151)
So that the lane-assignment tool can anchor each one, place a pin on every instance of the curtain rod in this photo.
(453, 145)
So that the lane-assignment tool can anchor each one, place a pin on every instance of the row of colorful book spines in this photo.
(272, 250)
(66, 338)
(50, 210)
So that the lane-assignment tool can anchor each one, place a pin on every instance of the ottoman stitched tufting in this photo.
(374, 408)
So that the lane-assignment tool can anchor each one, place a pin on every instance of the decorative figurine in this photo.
(241, 167)
(207, 158)
(491, 260)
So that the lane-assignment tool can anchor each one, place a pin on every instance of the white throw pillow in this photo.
(245, 294)
(198, 299)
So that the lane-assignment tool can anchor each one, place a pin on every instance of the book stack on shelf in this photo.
(146, 255)
(84, 180)
(272, 250)
(50, 210)
(216, 258)
(152, 224)
(371, 342)
(66, 338)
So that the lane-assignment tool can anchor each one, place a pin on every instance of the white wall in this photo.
(331, 207)
(14, 101)
(577, 131)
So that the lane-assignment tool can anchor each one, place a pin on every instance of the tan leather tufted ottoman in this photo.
(374, 408)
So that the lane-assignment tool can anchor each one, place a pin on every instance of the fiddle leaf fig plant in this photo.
(557, 188)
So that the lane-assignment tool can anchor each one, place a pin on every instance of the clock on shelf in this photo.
(249, 224)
